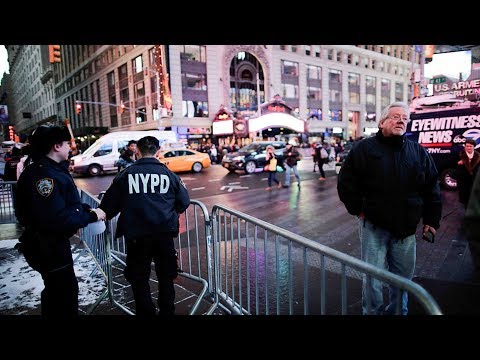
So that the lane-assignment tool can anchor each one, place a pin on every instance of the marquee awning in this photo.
(276, 120)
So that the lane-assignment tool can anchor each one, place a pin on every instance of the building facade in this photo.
(31, 96)
(335, 89)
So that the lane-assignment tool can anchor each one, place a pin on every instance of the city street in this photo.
(214, 180)
(313, 211)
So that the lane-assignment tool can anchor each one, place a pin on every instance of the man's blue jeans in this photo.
(287, 174)
(398, 256)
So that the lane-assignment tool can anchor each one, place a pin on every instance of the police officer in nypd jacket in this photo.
(149, 198)
(48, 206)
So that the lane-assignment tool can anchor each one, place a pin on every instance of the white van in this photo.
(103, 153)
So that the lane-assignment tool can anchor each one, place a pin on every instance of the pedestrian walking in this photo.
(466, 170)
(48, 206)
(322, 157)
(10, 171)
(149, 198)
(213, 154)
(291, 156)
(271, 167)
(390, 183)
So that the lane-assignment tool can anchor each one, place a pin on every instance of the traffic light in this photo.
(54, 53)
(122, 107)
(78, 108)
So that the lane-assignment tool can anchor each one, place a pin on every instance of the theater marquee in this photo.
(276, 120)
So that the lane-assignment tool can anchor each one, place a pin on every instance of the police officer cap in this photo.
(45, 136)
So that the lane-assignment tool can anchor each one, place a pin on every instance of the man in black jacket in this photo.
(291, 156)
(48, 206)
(390, 183)
(149, 198)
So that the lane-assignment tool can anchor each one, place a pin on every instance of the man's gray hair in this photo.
(385, 111)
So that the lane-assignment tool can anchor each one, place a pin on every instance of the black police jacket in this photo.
(47, 200)
(393, 181)
(148, 197)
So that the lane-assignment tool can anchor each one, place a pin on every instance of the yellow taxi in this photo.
(179, 160)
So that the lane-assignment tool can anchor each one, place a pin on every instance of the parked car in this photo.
(178, 160)
(252, 156)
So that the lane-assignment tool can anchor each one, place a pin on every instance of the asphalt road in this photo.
(212, 181)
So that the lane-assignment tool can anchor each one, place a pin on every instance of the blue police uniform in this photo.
(48, 206)
(149, 198)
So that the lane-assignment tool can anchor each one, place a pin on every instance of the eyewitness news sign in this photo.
(443, 133)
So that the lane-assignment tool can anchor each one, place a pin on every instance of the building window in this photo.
(370, 100)
(191, 108)
(330, 54)
(289, 68)
(194, 53)
(289, 91)
(335, 115)
(124, 95)
(353, 79)
(371, 83)
(151, 57)
(314, 72)
(315, 114)
(308, 50)
(334, 76)
(354, 88)
(122, 72)
(137, 64)
(314, 93)
(385, 93)
(194, 81)
(335, 96)
(140, 115)
(139, 90)
(398, 91)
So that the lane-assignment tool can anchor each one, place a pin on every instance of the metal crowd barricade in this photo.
(7, 210)
(264, 269)
(195, 259)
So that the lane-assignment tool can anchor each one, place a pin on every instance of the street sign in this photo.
(438, 80)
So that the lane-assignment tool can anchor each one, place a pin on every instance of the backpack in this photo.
(323, 153)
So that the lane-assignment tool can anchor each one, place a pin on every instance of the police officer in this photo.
(48, 206)
(149, 198)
